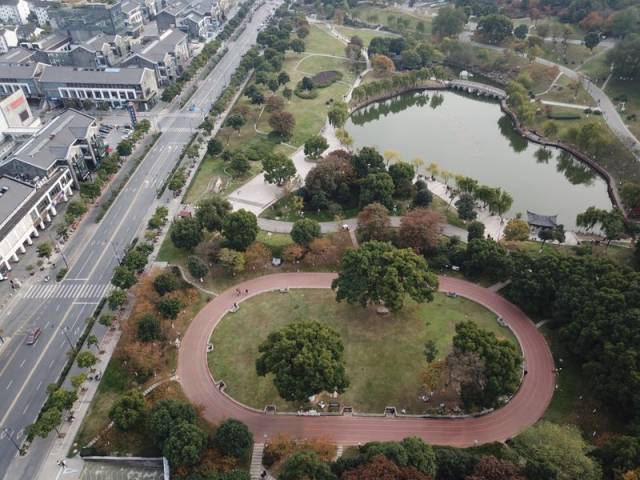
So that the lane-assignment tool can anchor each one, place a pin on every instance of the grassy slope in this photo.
(383, 353)
(366, 34)
(383, 14)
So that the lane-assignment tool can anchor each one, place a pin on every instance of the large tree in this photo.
(377, 187)
(449, 22)
(501, 361)
(378, 272)
(625, 57)
(374, 223)
(186, 233)
(304, 231)
(305, 358)
(368, 160)
(402, 174)
(491, 468)
(314, 146)
(495, 28)
(338, 114)
(560, 446)
(165, 416)
(240, 229)
(305, 465)
(184, 445)
(282, 124)
(234, 438)
(129, 410)
(278, 168)
(420, 230)
(212, 211)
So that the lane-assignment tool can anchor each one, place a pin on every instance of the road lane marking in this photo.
(24, 411)
(22, 364)
(38, 387)
(9, 384)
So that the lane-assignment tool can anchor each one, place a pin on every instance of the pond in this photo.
(472, 137)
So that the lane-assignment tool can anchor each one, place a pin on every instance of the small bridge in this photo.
(480, 89)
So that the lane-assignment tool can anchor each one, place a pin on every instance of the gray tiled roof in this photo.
(97, 42)
(16, 56)
(16, 194)
(18, 72)
(119, 76)
(166, 44)
(545, 221)
(52, 41)
(52, 142)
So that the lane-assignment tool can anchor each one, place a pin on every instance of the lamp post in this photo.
(64, 332)
(8, 431)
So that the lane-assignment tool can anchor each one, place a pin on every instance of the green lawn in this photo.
(572, 55)
(319, 41)
(573, 401)
(388, 16)
(384, 354)
(629, 93)
(366, 34)
(567, 91)
(596, 69)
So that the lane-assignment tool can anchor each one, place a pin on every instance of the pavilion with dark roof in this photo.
(538, 222)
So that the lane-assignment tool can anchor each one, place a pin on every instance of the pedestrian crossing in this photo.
(69, 290)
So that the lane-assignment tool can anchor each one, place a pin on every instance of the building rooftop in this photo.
(114, 76)
(9, 2)
(18, 72)
(128, 6)
(16, 56)
(96, 43)
(165, 44)
(12, 195)
(52, 142)
(543, 221)
(53, 41)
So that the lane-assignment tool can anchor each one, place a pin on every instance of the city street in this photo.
(60, 309)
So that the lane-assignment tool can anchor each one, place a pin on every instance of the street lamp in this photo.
(64, 331)
(8, 431)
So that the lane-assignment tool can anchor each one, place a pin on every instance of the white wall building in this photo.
(8, 39)
(14, 12)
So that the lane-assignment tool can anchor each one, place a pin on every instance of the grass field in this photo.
(384, 354)
(567, 91)
(629, 93)
(572, 55)
(366, 34)
(389, 16)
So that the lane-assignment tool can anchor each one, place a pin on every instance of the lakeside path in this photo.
(525, 408)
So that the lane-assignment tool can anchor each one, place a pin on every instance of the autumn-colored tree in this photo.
(382, 65)
(516, 230)
(491, 468)
(420, 229)
(381, 468)
(282, 124)
(374, 223)
(274, 103)
(257, 256)
(292, 253)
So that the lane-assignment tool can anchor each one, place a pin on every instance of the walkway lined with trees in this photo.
(525, 408)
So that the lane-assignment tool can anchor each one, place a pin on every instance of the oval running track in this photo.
(524, 409)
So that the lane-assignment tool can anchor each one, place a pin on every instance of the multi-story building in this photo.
(132, 11)
(14, 12)
(52, 42)
(16, 119)
(8, 38)
(17, 56)
(165, 55)
(98, 52)
(85, 20)
(23, 77)
(197, 18)
(116, 87)
(40, 8)
(39, 176)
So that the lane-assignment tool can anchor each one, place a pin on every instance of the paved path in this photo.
(526, 407)
(277, 226)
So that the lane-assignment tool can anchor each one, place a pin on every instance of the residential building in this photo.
(40, 8)
(198, 18)
(132, 11)
(85, 20)
(16, 119)
(54, 41)
(14, 12)
(17, 56)
(114, 86)
(165, 55)
(23, 77)
(98, 52)
(25, 209)
(8, 38)
(29, 32)
(150, 8)
(70, 139)
(40, 175)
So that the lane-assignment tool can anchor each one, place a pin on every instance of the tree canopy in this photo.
(240, 229)
(234, 438)
(212, 211)
(305, 358)
(278, 168)
(378, 272)
(129, 410)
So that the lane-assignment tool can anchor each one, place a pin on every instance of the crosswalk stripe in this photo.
(83, 291)
(69, 290)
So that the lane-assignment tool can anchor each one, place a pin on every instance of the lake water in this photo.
(472, 137)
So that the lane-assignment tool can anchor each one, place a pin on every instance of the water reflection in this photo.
(472, 137)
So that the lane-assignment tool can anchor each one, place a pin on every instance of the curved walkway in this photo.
(526, 407)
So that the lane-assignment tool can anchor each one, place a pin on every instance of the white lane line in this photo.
(9, 384)
(57, 307)
(22, 364)
(38, 387)
(26, 407)
(26, 294)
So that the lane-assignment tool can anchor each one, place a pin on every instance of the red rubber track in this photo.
(524, 409)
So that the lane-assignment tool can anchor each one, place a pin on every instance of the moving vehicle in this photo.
(33, 335)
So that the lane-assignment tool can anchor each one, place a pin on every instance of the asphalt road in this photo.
(61, 308)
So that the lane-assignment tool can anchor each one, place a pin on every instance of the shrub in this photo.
(166, 282)
(148, 328)
(197, 267)
(326, 78)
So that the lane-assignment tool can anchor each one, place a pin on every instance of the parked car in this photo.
(33, 335)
